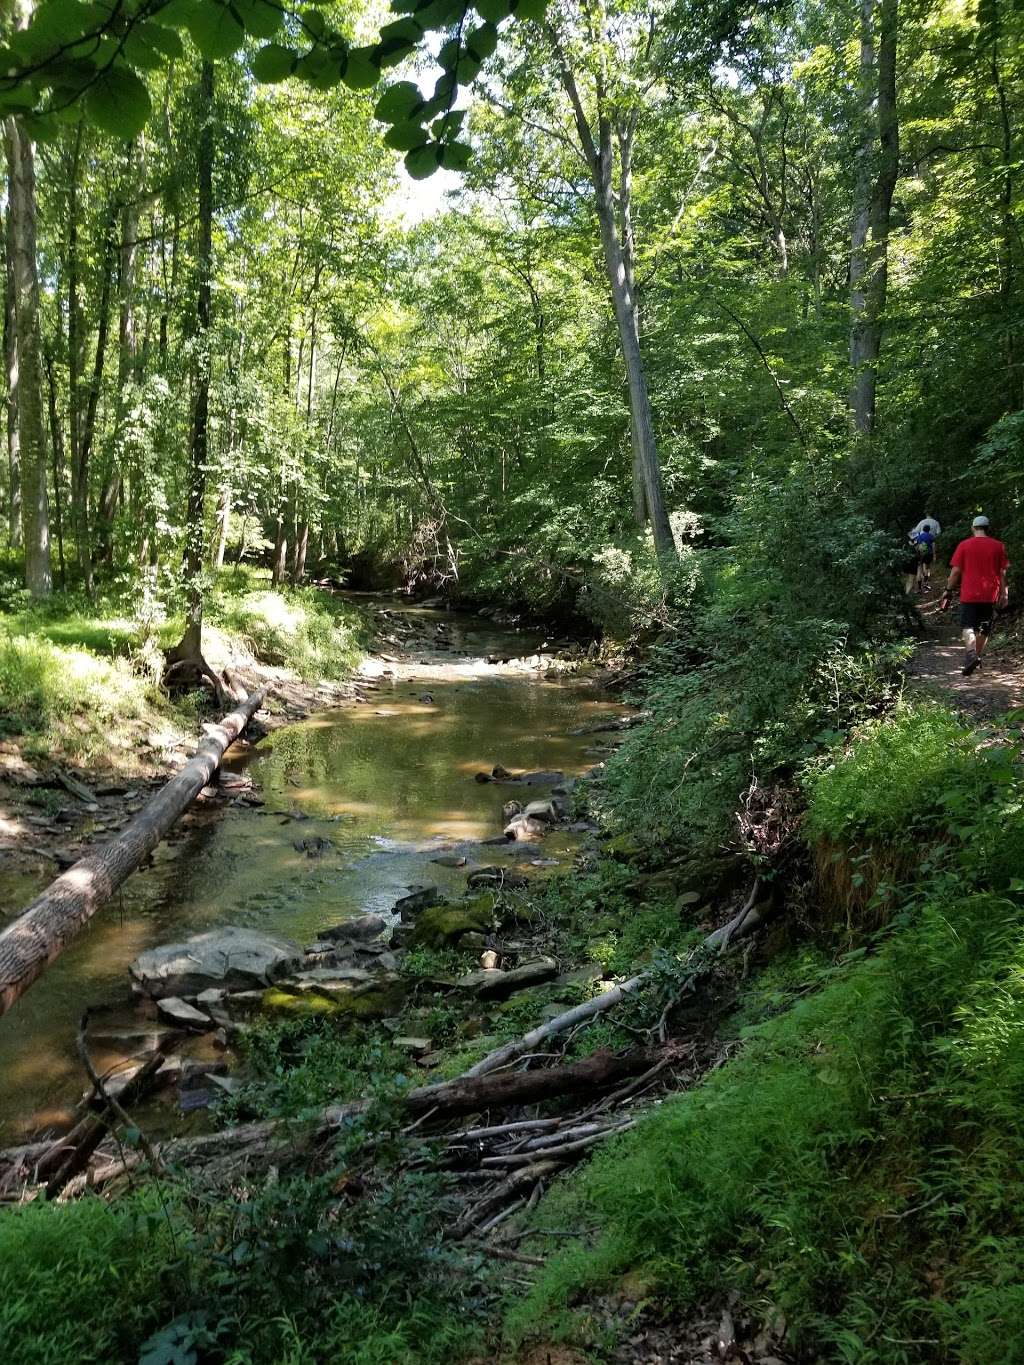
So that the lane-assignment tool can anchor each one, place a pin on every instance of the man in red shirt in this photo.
(979, 566)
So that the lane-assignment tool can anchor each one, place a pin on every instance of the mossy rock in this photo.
(624, 848)
(376, 1003)
(441, 926)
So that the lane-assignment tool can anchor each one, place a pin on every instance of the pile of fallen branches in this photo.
(504, 1168)
(506, 1164)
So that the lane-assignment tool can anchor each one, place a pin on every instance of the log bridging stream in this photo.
(42, 931)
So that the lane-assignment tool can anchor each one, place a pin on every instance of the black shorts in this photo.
(977, 616)
(927, 557)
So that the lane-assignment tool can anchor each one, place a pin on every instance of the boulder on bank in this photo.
(442, 926)
(233, 958)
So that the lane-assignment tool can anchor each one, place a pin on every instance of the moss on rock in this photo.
(441, 926)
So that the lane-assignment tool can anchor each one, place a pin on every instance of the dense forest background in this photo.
(793, 193)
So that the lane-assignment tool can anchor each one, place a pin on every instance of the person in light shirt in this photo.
(978, 568)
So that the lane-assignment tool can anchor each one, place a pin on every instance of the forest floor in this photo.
(935, 668)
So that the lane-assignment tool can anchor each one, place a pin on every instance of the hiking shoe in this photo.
(970, 664)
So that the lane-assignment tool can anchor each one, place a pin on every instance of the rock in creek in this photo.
(360, 928)
(419, 898)
(543, 810)
(450, 860)
(525, 827)
(497, 877)
(313, 846)
(235, 958)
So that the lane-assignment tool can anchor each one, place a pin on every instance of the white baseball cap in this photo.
(980, 521)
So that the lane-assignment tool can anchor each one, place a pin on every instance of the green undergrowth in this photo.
(83, 678)
(283, 1272)
(856, 1165)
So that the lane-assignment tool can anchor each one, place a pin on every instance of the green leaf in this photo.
(399, 102)
(529, 9)
(273, 63)
(319, 69)
(482, 41)
(468, 68)
(439, 13)
(403, 137)
(493, 10)
(260, 19)
(140, 52)
(455, 156)
(403, 30)
(448, 125)
(449, 54)
(165, 40)
(118, 102)
(215, 30)
(422, 162)
(20, 96)
(363, 69)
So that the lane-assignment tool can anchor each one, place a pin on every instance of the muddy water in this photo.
(389, 784)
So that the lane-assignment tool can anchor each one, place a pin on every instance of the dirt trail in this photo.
(935, 668)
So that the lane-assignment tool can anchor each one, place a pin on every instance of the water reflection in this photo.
(387, 792)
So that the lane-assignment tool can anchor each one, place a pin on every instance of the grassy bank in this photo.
(856, 1167)
(81, 678)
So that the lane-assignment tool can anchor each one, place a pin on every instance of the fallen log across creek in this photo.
(42, 932)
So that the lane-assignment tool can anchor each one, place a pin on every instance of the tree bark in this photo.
(35, 504)
(598, 152)
(878, 170)
(11, 370)
(191, 644)
(42, 932)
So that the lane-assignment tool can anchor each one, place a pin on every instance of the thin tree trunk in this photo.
(191, 644)
(11, 369)
(301, 548)
(79, 485)
(599, 155)
(869, 256)
(87, 426)
(57, 452)
(35, 507)
(280, 564)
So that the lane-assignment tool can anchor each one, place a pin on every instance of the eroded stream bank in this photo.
(377, 789)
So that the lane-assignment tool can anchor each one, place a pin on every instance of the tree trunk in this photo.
(35, 506)
(869, 255)
(57, 453)
(280, 565)
(190, 647)
(599, 156)
(87, 427)
(31, 942)
(11, 369)
(301, 548)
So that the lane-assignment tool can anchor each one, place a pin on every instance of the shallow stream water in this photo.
(389, 783)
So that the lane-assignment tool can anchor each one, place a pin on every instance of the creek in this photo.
(388, 783)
